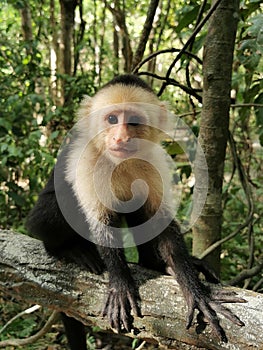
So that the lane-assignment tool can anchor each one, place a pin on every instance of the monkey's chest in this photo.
(133, 191)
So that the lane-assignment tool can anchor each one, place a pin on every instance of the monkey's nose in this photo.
(120, 140)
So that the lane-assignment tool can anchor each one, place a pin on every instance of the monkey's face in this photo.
(123, 131)
(122, 122)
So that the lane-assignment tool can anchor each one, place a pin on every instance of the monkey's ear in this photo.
(85, 107)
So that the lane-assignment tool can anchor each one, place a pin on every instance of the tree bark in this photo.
(145, 33)
(26, 23)
(119, 16)
(67, 20)
(213, 135)
(29, 274)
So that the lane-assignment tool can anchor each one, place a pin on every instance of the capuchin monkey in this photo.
(110, 169)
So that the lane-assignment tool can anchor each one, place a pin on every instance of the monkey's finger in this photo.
(220, 332)
(126, 321)
(191, 305)
(211, 317)
(95, 267)
(190, 317)
(105, 311)
(225, 296)
(201, 324)
(228, 299)
(106, 306)
(228, 314)
(125, 314)
(113, 313)
(134, 304)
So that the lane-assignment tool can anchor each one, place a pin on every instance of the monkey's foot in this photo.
(120, 301)
(209, 304)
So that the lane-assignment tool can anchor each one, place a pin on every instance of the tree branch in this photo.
(30, 340)
(29, 274)
(189, 41)
(248, 273)
(160, 52)
(173, 82)
(145, 33)
(119, 15)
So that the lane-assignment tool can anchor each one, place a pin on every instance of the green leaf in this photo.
(135, 343)
(3, 147)
(253, 92)
(173, 148)
(54, 135)
(18, 199)
(189, 17)
(26, 60)
(5, 124)
(256, 27)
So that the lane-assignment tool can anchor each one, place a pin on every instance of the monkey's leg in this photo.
(150, 258)
(47, 223)
(75, 332)
(173, 251)
(123, 295)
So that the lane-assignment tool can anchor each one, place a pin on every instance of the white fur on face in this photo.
(99, 189)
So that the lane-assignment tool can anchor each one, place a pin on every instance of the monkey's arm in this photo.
(123, 295)
(46, 222)
(173, 251)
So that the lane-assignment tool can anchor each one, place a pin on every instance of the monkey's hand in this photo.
(122, 298)
(209, 303)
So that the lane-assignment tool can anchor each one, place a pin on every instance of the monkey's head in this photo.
(122, 114)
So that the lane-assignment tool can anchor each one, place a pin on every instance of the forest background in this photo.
(52, 53)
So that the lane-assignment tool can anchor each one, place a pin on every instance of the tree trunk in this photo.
(217, 69)
(67, 19)
(145, 33)
(27, 273)
(26, 23)
(67, 9)
(119, 16)
(54, 59)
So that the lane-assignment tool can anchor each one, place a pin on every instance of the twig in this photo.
(188, 42)
(212, 247)
(248, 273)
(174, 83)
(21, 342)
(25, 312)
(240, 105)
(145, 32)
(258, 284)
(160, 52)
(246, 187)
(242, 174)
(141, 345)
(198, 20)
(251, 243)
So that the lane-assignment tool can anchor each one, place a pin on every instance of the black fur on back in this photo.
(129, 80)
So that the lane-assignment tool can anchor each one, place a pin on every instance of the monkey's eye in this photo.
(112, 119)
(134, 120)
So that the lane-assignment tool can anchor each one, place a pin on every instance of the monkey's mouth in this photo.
(122, 152)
